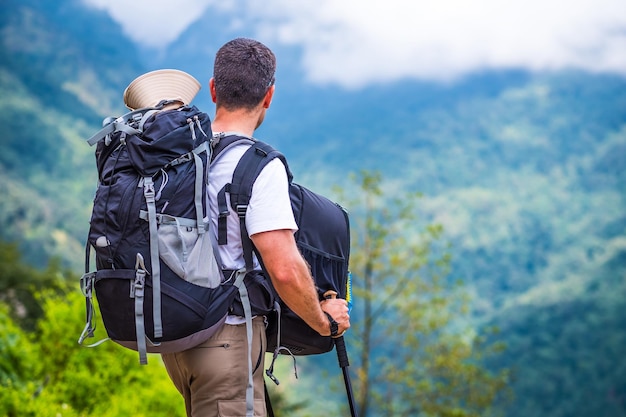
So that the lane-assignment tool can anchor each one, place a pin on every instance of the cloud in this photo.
(153, 23)
(355, 42)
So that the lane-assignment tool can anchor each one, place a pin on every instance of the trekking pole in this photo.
(344, 363)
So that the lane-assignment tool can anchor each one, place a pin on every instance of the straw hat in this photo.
(149, 89)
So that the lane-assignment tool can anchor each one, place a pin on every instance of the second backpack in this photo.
(323, 238)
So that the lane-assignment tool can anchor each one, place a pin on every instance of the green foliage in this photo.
(19, 284)
(44, 372)
(282, 404)
(417, 355)
(571, 349)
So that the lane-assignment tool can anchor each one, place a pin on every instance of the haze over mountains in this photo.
(525, 171)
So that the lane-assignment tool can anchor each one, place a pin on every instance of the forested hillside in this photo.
(526, 172)
(62, 68)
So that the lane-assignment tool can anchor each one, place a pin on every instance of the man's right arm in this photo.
(292, 280)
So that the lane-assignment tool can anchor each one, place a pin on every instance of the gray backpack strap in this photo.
(145, 118)
(87, 282)
(198, 192)
(245, 301)
(216, 251)
(137, 290)
(148, 192)
(111, 125)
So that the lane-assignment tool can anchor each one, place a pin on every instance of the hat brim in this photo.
(151, 88)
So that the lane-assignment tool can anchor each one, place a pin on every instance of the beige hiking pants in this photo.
(212, 377)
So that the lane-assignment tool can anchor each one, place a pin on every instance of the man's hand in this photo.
(338, 310)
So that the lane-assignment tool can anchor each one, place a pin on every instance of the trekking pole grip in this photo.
(330, 294)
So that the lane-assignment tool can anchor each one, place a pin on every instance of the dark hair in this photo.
(243, 72)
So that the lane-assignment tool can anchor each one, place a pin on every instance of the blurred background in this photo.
(486, 139)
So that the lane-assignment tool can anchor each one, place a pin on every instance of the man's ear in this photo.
(268, 97)
(212, 89)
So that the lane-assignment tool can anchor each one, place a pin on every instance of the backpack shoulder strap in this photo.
(222, 142)
(240, 189)
(248, 169)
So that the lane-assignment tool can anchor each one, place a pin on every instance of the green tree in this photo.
(419, 355)
(43, 370)
(19, 283)
(46, 373)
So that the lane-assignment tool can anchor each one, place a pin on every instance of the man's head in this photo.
(243, 73)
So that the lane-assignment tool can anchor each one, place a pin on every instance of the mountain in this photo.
(62, 69)
(525, 171)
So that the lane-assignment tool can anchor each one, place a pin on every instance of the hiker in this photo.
(213, 376)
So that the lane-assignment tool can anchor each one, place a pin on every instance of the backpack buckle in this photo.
(241, 210)
(87, 282)
(136, 286)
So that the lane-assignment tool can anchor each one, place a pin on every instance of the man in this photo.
(213, 376)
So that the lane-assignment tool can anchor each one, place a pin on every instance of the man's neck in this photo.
(241, 121)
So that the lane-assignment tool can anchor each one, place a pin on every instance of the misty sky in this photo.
(372, 41)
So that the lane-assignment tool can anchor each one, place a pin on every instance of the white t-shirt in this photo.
(269, 207)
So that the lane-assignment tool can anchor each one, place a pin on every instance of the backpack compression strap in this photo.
(122, 123)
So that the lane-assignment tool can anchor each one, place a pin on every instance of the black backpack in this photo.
(323, 238)
(150, 228)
